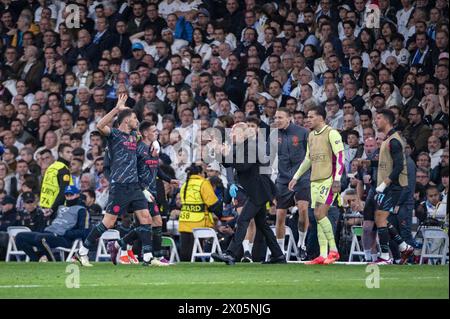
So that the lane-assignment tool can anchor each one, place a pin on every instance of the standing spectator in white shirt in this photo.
(403, 16)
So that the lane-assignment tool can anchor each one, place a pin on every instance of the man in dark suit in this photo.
(86, 48)
(423, 53)
(104, 38)
(408, 99)
(29, 68)
(358, 71)
(259, 190)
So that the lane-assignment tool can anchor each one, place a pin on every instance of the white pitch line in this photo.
(212, 282)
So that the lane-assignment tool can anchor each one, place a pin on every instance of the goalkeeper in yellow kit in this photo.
(325, 157)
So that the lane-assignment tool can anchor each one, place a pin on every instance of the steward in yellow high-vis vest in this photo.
(56, 178)
(198, 203)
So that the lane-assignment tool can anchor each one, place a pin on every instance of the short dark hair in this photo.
(366, 112)
(319, 111)
(62, 146)
(419, 110)
(353, 132)
(253, 119)
(284, 109)
(145, 125)
(123, 115)
(432, 187)
(90, 192)
(388, 115)
(76, 136)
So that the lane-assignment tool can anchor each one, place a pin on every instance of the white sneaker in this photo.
(381, 261)
(82, 259)
(43, 259)
(159, 262)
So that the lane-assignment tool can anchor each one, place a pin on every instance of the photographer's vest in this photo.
(320, 154)
(50, 185)
(194, 211)
(385, 162)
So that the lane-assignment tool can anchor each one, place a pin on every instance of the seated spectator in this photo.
(8, 216)
(436, 172)
(430, 207)
(71, 222)
(94, 209)
(423, 177)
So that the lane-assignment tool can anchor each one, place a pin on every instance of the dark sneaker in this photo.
(276, 260)
(228, 259)
(302, 253)
(113, 251)
(247, 258)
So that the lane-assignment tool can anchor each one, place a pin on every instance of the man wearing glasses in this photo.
(417, 130)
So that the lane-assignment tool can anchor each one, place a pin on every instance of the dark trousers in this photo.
(186, 245)
(26, 242)
(402, 222)
(258, 212)
(4, 238)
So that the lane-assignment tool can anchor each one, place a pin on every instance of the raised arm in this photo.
(102, 125)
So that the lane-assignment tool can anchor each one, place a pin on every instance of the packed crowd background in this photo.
(187, 66)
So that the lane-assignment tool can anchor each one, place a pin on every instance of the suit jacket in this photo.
(91, 53)
(258, 187)
(71, 56)
(406, 107)
(419, 134)
(360, 77)
(124, 43)
(133, 28)
(105, 42)
(33, 76)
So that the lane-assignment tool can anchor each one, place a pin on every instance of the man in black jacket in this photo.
(259, 190)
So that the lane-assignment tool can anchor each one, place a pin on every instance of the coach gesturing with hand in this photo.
(259, 190)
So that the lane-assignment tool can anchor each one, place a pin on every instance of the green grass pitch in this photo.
(205, 280)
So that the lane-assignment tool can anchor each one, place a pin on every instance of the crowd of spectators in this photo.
(191, 65)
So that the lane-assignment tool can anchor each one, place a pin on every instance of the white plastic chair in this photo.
(12, 250)
(75, 246)
(355, 248)
(291, 247)
(169, 242)
(203, 233)
(430, 237)
(102, 252)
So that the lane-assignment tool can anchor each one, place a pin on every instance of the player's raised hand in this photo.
(121, 102)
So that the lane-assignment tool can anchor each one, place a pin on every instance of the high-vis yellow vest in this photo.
(385, 162)
(320, 154)
(194, 207)
(50, 186)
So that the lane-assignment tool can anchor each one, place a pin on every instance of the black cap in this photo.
(377, 94)
(28, 197)
(8, 200)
